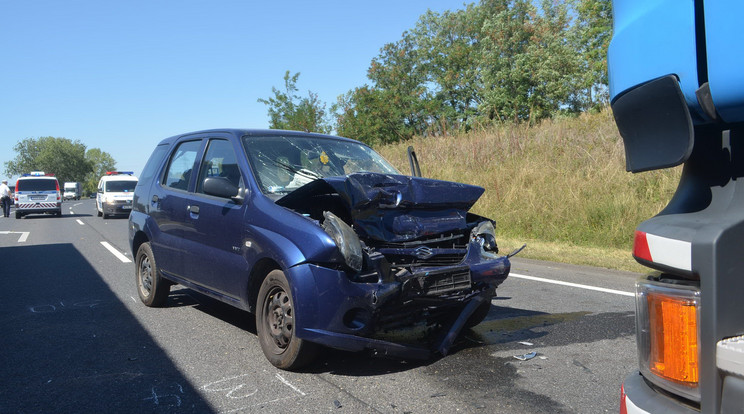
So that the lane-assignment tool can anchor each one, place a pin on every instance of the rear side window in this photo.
(37, 184)
(153, 163)
(181, 165)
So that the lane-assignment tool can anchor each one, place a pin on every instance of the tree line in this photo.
(68, 160)
(492, 62)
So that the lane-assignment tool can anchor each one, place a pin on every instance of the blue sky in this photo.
(121, 76)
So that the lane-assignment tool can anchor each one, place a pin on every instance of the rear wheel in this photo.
(18, 214)
(153, 290)
(275, 324)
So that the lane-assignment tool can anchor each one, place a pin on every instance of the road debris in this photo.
(526, 357)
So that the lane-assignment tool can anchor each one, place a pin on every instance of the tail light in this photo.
(58, 195)
(667, 316)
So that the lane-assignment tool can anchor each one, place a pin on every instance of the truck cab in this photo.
(677, 96)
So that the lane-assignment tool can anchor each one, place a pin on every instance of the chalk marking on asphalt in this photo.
(576, 285)
(115, 252)
(24, 234)
(80, 222)
(285, 382)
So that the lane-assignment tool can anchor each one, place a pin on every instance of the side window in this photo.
(180, 165)
(219, 161)
(153, 163)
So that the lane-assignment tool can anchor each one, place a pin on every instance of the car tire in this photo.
(18, 214)
(275, 325)
(105, 216)
(479, 315)
(99, 213)
(153, 290)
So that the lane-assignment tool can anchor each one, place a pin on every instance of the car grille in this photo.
(438, 284)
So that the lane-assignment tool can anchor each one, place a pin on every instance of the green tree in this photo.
(60, 156)
(287, 110)
(449, 51)
(100, 162)
(529, 69)
(591, 36)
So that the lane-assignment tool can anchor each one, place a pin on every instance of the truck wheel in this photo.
(153, 290)
(275, 325)
(18, 214)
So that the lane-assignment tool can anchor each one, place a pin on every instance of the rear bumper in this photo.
(38, 208)
(640, 398)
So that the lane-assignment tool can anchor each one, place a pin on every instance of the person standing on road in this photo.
(5, 198)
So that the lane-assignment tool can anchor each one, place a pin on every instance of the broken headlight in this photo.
(485, 235)
(346, 240)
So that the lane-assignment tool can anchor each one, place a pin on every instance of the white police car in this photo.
(115, 192)
(37, 193)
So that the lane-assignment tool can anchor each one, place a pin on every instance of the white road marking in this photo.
(285, 382)
(80, 222)
(24, 234)
(115, 252)
(576, 285)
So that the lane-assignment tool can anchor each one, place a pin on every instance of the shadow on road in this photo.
(70, 345)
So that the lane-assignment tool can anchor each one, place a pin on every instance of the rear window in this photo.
(37, 184)
(120, 186)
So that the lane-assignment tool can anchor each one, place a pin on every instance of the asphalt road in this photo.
(75, 338)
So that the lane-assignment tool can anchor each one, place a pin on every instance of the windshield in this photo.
(283, 164)
(120, 186)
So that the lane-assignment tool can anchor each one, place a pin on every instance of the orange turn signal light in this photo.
(673, 341)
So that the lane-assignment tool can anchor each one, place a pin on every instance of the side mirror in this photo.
(413, 162)
(221, 187)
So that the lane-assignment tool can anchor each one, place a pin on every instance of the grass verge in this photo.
(560, 186)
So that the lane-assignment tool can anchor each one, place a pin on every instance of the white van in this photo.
(115, 193)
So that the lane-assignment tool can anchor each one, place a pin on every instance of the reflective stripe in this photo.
(670, 252)
(37, 205)
(631, 408)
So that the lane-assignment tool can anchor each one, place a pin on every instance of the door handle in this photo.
(193, 209)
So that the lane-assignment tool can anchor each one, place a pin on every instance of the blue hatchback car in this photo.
(319, 237)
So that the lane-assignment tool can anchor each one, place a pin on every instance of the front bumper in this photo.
(117, 208)
(337, 312)
(641, 398)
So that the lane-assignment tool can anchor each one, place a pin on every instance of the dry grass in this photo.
(560, 185)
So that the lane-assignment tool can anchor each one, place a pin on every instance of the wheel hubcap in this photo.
(279, 317)
(145, 276)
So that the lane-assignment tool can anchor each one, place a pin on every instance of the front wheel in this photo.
(275, 325)
(153, 290)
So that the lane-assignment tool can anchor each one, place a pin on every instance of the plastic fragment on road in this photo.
(526, 357)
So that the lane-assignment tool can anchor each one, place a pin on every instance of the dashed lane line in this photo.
(115, 252)
(576, 285)
(80, 222)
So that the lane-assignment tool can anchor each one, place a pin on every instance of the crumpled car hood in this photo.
(394, 208)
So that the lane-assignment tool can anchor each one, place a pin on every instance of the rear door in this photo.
(169, 199)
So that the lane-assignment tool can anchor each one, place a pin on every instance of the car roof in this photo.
(119, 177)
(37, 177)
(259, 133)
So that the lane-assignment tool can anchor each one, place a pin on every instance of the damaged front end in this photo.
(416, 266)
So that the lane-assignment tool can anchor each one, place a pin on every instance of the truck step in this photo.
(730, 355)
